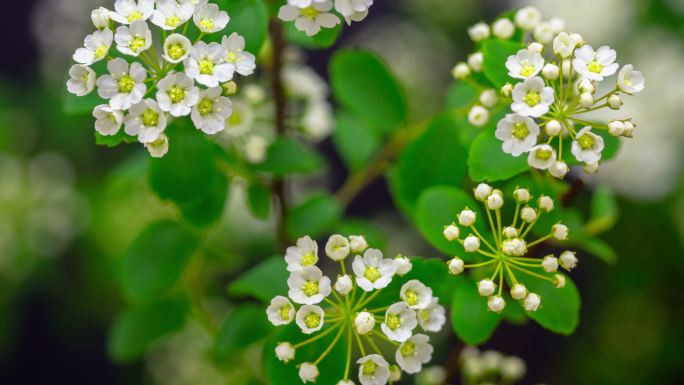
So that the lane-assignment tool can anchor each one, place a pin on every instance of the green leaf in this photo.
(210, 209)
(246, 325)
(289, 156)
(435, 158)
(495, 53)
(559, 310)
(324, 39)
(155, 260)
(316, 216)
(604, 211)
(114, 140)
(460, 95)
(597, 248)
(355, 141)
(259, 200)
(470, 317)
(364, 85)
(249, 18)
(262, 282)
(488, 162)
(136, 328)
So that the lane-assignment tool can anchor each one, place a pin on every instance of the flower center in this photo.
(176, 51)
(232, 57)
(176, 94)
(285, 312)
(586, 141)
(309, 259)
(150, 118)
(172, 21)
(310, 288)
(372, 273)
(527, 69)
(112, 117)
(312, 320)
(393, 321)
(408, 349)
(310, 12)
(137, 43)
(520, 131)
(532, 98)
(425, 315)
(126, 84)
(135, 15)
(411, 298)
(206, 67)
(543, 154)
(101, 51)
(234, 120)
(206, 107)
(595, 67)
(368, 368)
(208, 24)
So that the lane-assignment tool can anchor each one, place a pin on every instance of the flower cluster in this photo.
(310, 16)
(490, 367)
(347, 309)
(507, 248)
(185, 78)
(558, 75)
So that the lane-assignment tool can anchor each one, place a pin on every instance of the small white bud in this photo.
(545, 203)
(466, 218)
(551, 71)
(285, 352)
(586, 100)
(549, 264)
(518, 291)
(478, 116)
(456, 266)
(507, 90)
(568, 260)
(557, 24)
(532, 302)
(357, 243)
(403, 264)
(512, 369)
(308, 372)
(482, 191)
(528, 214)
(496, 303)
(629, 129)
(578, 39)
(479, 32)
(503, 28)
(559, 281)
(495, 202)
(471, 244)
(230, 88)
(591, 168)
(100, 18)
(344, 284)
(451, 232)
(489, 98)
(510, 232)
(535, 47)
(514, 247)
(615, 101)
(521, 195)
(543, 33)
(486, 287)
(460, 71)
(616, 128)
(586, 86)
(364, 322)
(559, 169)
(395, 373)
(491, 359)
(553, 128)
(476, 61)
(560, 232)
(337, 248)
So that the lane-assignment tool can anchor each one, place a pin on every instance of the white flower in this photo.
(373, 370)
(559, 169)
(525, 64)
(541, 156)
(630, 80)
(518, 133)
(478, 116)
(357, 243)
(344, 284)
(560, 231)
(595, 65)
(310, 318)
(486, 287)
(372, 271)
(308, 286)
(451, 232)
(310, 19)
(489, 98)
(460, 71)
(466, 217)
(496, 303)
(527, 18)
(550, 264)
(176, 48)
(400, 320)
(285, 352)
(169, 14)
(206, 64)
(568, 260)
(553, 128)
(495, 202)
(535, 47)
(210, 114)
(95, 47)
(545, 203)
(518, 291)
(528, 214)
(433, 317)
(521, 195)
(100, 17)
(177, 94)
(308, 372)
(479, 32)
(337, 248)
(304, 254)
(476, 61)
(82, 80)
(551, 71)
(532, 98)
(280, 311)
(158, 147)
(304, 82)
(364, 322)
(146, 120)
(403, 264)
(254, 93)
(416, 295)
(255, 148)
(564, 45)
(514, 247)
(471, 244)
(108, 121)
(544, 32)
(318, 120)
(124, 86)
(238, 59)
(209, 18)
(134, 39)
(503, 28)
(413, 353)
(531, 302)
(353, 10)
(128, 11)
(587, 146)
(456, 266)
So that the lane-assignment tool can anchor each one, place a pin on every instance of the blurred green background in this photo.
(68, 208)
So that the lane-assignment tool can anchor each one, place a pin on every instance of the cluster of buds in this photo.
(347, 309)
(310, 16)
(558, 77)
(148, 84)
(490, 367)
(506, 250)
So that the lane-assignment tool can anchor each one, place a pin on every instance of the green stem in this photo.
(330, 347)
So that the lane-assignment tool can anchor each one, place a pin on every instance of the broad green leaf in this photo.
(259, 200)
(248, 18)
(488, 162)
(324, 39)
(470, 317)
(114, 140)
(289, 156)
(364, 85)
(137, 327)
(318, 215)
(461, 94)
(495, 53)
(210, 209)
(246, 325)
(559, 310)
(263, 282)
(374, 236)
(355, 141)
(155, 260)
(597, 248)
(435, 158)
(604, 211)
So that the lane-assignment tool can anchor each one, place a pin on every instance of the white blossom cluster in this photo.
(558, 76)
(490, 367)
(505, 251)
(149, 85)
(310, 16)
(346, 309)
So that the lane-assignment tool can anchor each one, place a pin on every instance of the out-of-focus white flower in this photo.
(527, 18)
(304, 82)
(476, 61)
(311, 19)
(318, 121)
(489, 98)
(503, 28)
(460, 71)
(255, 148)
(479, 32)
(478, 116)
(544, 32)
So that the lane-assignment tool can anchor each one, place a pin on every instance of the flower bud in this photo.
(503, 28)
(254, 93)
(518, 291)
(510, 232)
(100, 18)
(629, 129)
(357, 243)
(535, 47)
(568, 260)
(591, 168)
(616, 128)
(337, 248)
(560, 231)
(230, 88)
(344, 284)
(559, 281)
(549, 264)
(460, 71)
(507, 90)
(586, 100)
(395, 373)
(521, 195)
(451, 232)
(615, 101)
(551, 71)
(308, 372)
(364, 322)
(543, 33)
(586, 86)
(496, 303)
(489, 98)
(403, 265)
(553, 128)
(495, 202)
(285, 352)
(486, 287)
(471, 244)
(557, 24)
(455, 266)
(528, 214)
(545, 203)
(475, 61)
(527, 18)
(559, 169)
(532, 302)
(482, 191)
(512, 369)
(478, 116)
(466, 218)
(479, 32)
